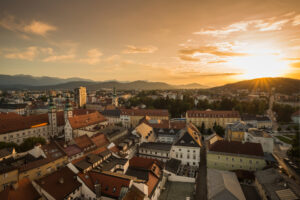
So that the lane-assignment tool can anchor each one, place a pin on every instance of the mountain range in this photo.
(281, 85)
(31, 82)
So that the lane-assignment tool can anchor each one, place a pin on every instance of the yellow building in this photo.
(233, 155)
(211, 117)
(8, 176)
(132, 117)
(236, 131)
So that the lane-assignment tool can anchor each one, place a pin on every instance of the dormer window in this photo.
(192, 142)
(181, 141)
(114, 190)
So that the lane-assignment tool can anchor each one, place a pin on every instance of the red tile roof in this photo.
(143, 163)
(80, 121)
(213, 114)
(60, 183)
(100, 140)
(83, 142)
(235, 147)
(25, 190)
(145, 112)
(72, 150)
(110, 185)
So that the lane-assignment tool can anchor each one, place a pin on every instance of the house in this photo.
(113, 116)
(187, 147)
(73, 152)
(85, 143)
(15, 108)
(156, 150)
(145, 132)
(100, 140)
(60, 185)
(150, 174)
(223, 185)
(132, 117)
(97, 185)
(257, 121)
(296, 117)
(84, 125)
(235, 131)
(7, 153)
(234, 155)
(209, 140)
(272, 185)
(210, 117)
(23, 189)
(259, 136)
(167, 135)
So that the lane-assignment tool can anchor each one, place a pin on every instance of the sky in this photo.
(210, 42)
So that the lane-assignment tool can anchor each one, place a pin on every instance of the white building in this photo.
(258, 136)
(187, 147)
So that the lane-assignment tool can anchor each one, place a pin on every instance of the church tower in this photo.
(52, 118)
(68, 112)
(114, 97)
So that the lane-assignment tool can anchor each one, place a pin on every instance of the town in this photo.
(149, 144)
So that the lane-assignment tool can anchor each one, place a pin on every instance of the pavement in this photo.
(177, 190)
(201, 181)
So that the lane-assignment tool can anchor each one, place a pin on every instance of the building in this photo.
(145, 132)
(87, 124)
(296, 117)
(155, 150)
(80, 96)
(60, 185)
(132, 117)
(259, 136)
(113, 116)
(209, 140)
(258, 121)
(7, 153)
(272, 185)
(167, 135)
(149, 174)
(108, 186)
(187, 147)
(209, 117)
(223, 185)
(236, 131)
(234, 155)
(22, 189)
(15, 108)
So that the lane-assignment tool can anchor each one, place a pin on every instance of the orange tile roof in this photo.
(143, 163)
(25, 190)
(110, 185)
(80, 121)
(145, 112)
(213, 114)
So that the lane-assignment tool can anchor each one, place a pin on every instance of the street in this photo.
(201, 181)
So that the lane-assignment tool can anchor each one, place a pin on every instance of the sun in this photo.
(260, 62)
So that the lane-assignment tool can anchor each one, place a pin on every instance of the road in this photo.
(201, 181)
(271, 113)
(280, 155)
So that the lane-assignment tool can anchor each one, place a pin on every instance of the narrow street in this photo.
(201, 181)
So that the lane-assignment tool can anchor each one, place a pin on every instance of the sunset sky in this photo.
(210, 42)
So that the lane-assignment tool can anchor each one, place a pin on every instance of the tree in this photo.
(279, 128)
(29, 143)
(219, 130)
(294, 152)
(209, 131)
(202, 128)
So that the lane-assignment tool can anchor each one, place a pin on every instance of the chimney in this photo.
(61, 180)
(97, 189)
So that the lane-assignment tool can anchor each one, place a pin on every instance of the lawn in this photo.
(284, 139)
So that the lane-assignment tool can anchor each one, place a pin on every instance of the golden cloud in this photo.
(213, 50)
(188, 58)
(131, 49)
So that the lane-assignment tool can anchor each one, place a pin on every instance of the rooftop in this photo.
(145, 112)
(80, 121)
(156, 146)
(213, 113)
(235, 147)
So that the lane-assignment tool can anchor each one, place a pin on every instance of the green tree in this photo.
(294, 152)
(29, 143)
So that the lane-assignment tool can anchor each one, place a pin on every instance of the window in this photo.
(114, 190)
(250, 161)
(219, 157)
(241, 160)
(256, 162)
(194, 151)
(232, 159)
(188, 150)
(179, 149)
(180, 155)
(194, 157)
(226, 158)
(188, 156)
(232, 166)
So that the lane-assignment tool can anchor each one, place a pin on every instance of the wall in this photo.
(187, 155)
(8, 178)
(175, 178)
(209, 122)
(234, 162)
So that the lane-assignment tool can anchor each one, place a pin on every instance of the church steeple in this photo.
(52, 118)
(68, 112)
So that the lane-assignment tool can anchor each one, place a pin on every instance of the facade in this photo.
(113, 116)
(132, 117)
(258, 136)
(233, 155)
(15, 108)
(155, 150)
(210, 118)
(80, 96)
(187, 147)
(258, 121)
(236, 131)
(296, 117)
(145, 133)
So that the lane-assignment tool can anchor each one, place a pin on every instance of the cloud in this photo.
(271, 26)
(295, 65)
(213, 50)
(133, 49)
(29, 54)
(291, 59)
(93, 57)
(217, 61)
(35, 27)
(59, 58)
(188, 58)
(296, 20)
(236, 27)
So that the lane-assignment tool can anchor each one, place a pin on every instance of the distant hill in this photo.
(39, 83)
(281, 85)
(27, 80)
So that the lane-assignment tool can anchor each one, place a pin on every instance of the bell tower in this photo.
(52, 118)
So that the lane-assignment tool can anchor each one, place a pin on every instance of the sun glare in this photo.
(260, 62)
